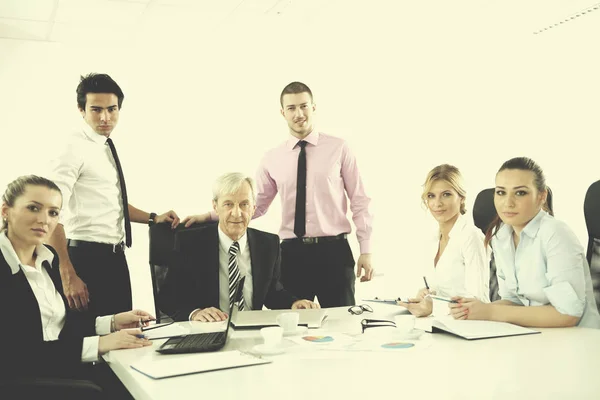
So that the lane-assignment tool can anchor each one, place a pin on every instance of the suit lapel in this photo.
(260, 280)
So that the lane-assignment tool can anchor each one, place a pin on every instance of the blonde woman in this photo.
(42, 337)
(459, 263)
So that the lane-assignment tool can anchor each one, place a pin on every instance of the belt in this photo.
(314, 240)
(113, 248)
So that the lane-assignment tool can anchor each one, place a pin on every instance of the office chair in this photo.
(162, 249)
(591, 210)
(50, 388)
(484, 213)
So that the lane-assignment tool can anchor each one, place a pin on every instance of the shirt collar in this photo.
(312, 138)
(225, 241)
(456, 228)
(43, 254)
(532, 228)
(93, 136)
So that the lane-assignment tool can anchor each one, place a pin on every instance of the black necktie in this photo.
(123, 192)
(300, 217)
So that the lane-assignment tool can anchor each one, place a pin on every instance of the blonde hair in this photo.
(231, 183)
(447, 173)
(16, 188)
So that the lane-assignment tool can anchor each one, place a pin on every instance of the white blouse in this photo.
(464, 267)
(547, 267)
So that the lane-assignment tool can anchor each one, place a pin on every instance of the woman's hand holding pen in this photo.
(132, 319)
(469, 308)
(125, 339)
(418, 307)
(424, 292)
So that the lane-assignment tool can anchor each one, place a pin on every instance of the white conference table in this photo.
(562, 363)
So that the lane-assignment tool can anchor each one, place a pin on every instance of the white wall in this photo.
(408, 90)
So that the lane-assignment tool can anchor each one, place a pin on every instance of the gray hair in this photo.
(230, 183)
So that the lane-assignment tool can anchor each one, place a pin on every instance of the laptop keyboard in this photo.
(200, 341)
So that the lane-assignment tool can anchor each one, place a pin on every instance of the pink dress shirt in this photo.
(331, 169)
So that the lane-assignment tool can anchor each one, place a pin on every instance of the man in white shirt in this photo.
(96, 215)
(212, 260)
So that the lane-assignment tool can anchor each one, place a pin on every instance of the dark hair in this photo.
(16, 188)
(97, 83)
(295, 88)
(539, 180)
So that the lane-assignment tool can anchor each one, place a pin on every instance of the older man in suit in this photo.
(211, 260)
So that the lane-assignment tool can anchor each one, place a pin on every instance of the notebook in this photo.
(313, 318)
(165, 367)
(478, 329)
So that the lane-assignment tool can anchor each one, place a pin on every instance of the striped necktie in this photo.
(234, 274)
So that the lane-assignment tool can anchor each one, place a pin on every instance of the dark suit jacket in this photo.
(24, 352)
(193, 281)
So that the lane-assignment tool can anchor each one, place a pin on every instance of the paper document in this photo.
(168, 366)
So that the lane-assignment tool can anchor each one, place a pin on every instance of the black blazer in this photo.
(24, 352)
(193, 281)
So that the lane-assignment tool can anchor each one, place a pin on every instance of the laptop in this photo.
(312, 318)
(199, 342)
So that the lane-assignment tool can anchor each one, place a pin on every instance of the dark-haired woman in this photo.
(543, 276)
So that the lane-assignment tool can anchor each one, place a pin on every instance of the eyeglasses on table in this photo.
(359, 309)
(376, 323)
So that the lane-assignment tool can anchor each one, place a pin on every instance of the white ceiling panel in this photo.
(102, 11)
(92, 32)
(25, 30)
(208, 5)
(36, 10)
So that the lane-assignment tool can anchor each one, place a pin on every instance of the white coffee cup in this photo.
(272, 335)
(404, 323)
(288, 321)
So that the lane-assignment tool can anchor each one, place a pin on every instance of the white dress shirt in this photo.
(464, 267)
(244, 265)
(547, 267)
(52, 307)
(86, 173)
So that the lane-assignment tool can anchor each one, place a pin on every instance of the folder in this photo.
(169, 366)
(478, 329)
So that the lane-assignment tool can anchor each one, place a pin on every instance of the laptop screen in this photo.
(236, 299)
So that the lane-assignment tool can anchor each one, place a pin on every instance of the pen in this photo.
(426, 285)
(442, 299)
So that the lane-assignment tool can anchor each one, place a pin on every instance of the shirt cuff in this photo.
(89, 350)
(365, 246)
(563, 297)
(192, 313)
(103, 325)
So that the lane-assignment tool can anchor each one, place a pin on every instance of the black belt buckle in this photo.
(309, 240)
(118, 248)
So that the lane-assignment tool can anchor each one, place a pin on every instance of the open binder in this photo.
(478, 329)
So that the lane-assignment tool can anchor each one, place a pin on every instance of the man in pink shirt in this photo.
(313, 173)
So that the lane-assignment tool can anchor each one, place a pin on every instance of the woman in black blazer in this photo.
(40, 335)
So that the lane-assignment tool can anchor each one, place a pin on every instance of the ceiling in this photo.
(72, 20)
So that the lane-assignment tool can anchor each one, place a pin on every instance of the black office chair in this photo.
(484, 213)
(591, 210)
(162, 247)
(50, 388)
